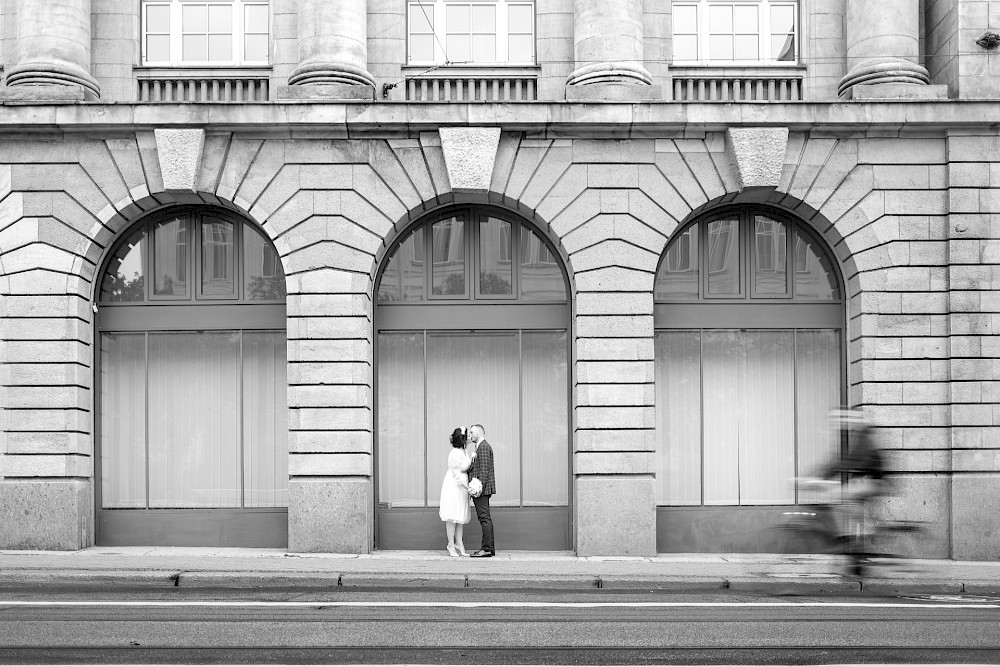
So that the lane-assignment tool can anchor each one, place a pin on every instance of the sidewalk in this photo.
(110, 568)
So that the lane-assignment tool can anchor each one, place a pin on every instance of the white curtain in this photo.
(265, 419)
(123, 420)
(721, 375)
(817, 387)
(544, 419)
(401, 419)
(678, 417)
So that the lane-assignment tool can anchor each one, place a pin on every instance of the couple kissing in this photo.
(470, 475)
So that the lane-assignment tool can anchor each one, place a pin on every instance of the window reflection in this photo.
(678, 278)
(125, 278)
(448, 241)
(813, 273)
(403, 278)
(170, 258)
(496, 272)
(770, 273)
(217, 259)
(723, 257)
(263, 279)
(541, 278)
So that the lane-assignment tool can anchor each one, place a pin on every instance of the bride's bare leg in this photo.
(449, 527)
(459, 532)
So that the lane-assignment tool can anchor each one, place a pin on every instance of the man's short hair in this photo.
(478, 428)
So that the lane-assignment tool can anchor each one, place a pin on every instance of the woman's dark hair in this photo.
(458, 437)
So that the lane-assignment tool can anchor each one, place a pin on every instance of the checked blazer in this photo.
(482, 468)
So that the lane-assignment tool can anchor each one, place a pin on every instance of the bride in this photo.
(454, 509)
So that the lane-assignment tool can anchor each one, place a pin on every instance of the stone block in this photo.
(618, 440)
(613, 463)
(49, 515)
(609, 349)
(330, 442)
(329, 514)
(47, 465)
(341, 92)
(470, 156)
(614, 92)
(758, 154)
(179, 153)
(614, 372)
(615, 395)
(325, 418)
(975, 518)
(615, 516)
(614, 417)
(896, 91)
(339, 464)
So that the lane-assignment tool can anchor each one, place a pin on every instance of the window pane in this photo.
(458, 47)
(421, 48)
(458, 18)
(220, 18)
(770, 273)
(217, 258)
(520, 18)
(814, 277)
(686, 47)
(782, 19)
(783, 47)
(678, 417)
(170, 245)
(817, 391)
(541, 279)
(484, 19)
(747, 47)
(255, 18)
(685, 18)
(746, 19)
(721, 381)
(484, 49)
(265, 419)
(723, 257)
(544, 415)
(449, 257)
(495, 273)
(220, 48)
(401, 420)
(158, 48)
(520, 49)
(678, 277)
(123, 420)
(421, 18)
(125, 278)
(195, 48)
(255, 48)
(194, 18)
(720, 19)
(721, 47)
(403, 278)
(157, 18)
(263, 279)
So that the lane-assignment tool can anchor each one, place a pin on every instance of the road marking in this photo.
(483, 604)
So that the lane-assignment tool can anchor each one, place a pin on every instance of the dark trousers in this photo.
(482, 504)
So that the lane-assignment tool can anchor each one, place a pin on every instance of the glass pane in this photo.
(125, 278)
(265, 420)
(721, 423)
(401, 420)
(495, 270)
(157, 48)
(678, 417)
(458, 19)
(745, 19)
(520, 49)
(220, 18)
(255, 48)
(490, 362)
(194, 18)
(449, 257)
(194, 420)
(520, 18)
(217, 263)
(421, 18)
(421, 48)
(686, 47)
(195, 48)
(678, 276)
(484, 19)
(157, 18)
(747, 47)
(459, 48)
(721, 47)
(541, 278)
(782, 19)
(770, 274)
(263, 279)
(814, 277)
(817, 391)
(723, 257)
(403, 278)
(720, 19)
(484, 49)
(170, 258)
(255, 18)
(220, 48)
(544, 418)
(783, 47)
(685, 18)
(767, 415)
(123, 420)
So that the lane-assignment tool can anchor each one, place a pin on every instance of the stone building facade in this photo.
(592, 180)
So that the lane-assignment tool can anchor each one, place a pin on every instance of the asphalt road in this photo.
(474, 627)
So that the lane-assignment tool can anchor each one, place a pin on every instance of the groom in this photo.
(482, 469)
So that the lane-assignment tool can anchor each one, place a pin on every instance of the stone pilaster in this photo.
(333, 51)
(608, 45)
(53, 52)
(883, 50)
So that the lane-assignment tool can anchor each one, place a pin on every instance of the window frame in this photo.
(175, 33)
(764, 33)
(440, 32)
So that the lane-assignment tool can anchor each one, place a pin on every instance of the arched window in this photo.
(749, 360)
(472, 321)
(191, 369)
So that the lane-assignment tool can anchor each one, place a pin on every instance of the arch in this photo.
(473, 328)
(191, 434)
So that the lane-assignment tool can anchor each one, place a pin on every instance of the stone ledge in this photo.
(614, 92)
(339, 92)
(896, 91)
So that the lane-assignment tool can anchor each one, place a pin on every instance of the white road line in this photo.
(477, 605)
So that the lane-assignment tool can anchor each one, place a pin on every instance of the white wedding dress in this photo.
(454, 498)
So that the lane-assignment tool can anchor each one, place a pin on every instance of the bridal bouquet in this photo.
(475, 487)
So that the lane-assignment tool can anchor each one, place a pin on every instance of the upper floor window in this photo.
(193, 32)
(479, 32)
(741, 32)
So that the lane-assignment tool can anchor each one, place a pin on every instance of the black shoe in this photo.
(482, 554)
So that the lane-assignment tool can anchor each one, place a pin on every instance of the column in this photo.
(333, 51)
(883, 48)
(608, 45)
(53, 51)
